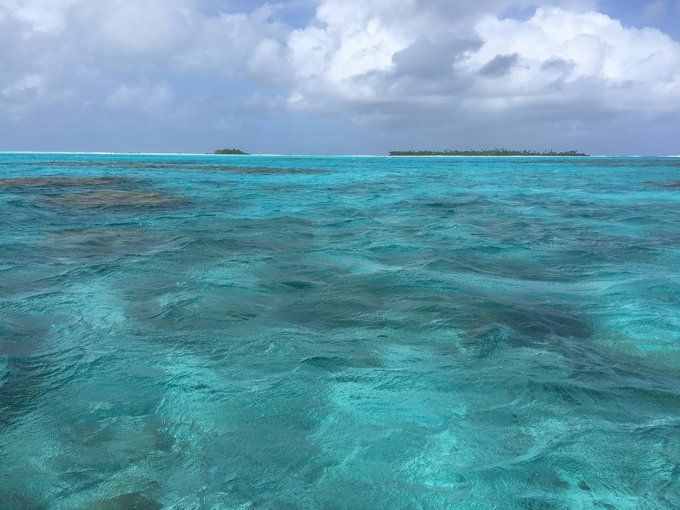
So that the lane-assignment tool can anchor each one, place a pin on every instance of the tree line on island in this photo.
(231, 152)
(486, 152)
(476, 152)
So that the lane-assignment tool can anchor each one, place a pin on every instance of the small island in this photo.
(487, 152)
(231, 152)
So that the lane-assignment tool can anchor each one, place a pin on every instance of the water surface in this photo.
(193, 332)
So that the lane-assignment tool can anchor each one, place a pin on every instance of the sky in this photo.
(340, 76)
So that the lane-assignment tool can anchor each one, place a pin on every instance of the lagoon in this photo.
(194, 331)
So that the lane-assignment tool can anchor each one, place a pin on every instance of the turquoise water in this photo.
(199, 332)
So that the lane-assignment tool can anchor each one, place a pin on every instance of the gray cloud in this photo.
(431, 60)
(500, 65)
(559, 65)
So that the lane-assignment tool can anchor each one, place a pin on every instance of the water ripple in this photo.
(179, 332)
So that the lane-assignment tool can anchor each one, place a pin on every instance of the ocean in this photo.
(220, 332)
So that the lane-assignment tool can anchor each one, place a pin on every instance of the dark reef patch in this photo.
(130, 501)
(601, 162)
(97, 243)
(59, 182)
(335, 364)
(92, 192)
(17, 501)
(262, 170)
(21, 389)
(21, 334)
(668, 185)
(299, 284)
(538, 322)
(183, 166)
(21, 338)
(116, 198)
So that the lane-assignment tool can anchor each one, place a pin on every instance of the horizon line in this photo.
(138, 153)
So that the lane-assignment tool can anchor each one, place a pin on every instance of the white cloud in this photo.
(556, 56)
(625, 68)
(232, 44)
(107, 51)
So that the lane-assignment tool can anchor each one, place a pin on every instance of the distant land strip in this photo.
(231, 152)
(489, 152)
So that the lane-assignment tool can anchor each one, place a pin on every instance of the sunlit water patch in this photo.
(205, 332)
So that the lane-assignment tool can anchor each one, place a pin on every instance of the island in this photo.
(487, 152)
(231, 152)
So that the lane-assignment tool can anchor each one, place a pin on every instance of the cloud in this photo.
(411, 65)
(100, 52)
(149, 98)
(148, 26)
(553, 58)
(423, 58)
(500, 65)
(621, 68)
